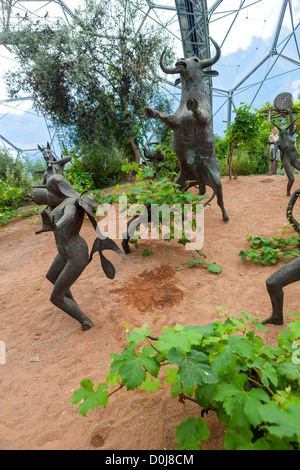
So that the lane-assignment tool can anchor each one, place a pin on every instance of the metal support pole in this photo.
(229, 107)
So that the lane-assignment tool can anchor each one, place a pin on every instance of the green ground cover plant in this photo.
(226, 368)
(268, 251)
(199, 260)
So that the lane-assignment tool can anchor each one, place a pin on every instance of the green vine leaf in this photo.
(151, 385)
(224, 367)
(243, 440)
(290, 370)
(282, 422)
(131, 366)
(214, 268)
(193, 367)
(183, 339)
(139, 334)
(91, 399)
(239, 403)
(190, 433)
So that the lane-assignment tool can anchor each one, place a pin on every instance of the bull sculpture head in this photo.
(192, 68)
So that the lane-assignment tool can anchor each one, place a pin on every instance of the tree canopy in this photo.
(95, 76)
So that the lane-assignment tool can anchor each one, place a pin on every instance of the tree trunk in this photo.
(136, 159)
(229, 160)
(135, 151)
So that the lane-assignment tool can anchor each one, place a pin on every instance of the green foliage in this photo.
(246, 126)
(91, 399)
(94, 168)
(196, 261)
(161, 192)
(268, 251)
(147, 252)
(11, 199)
(226, 367)
(94, 76)
(170, 166)
(222, 146)
(13, 171)
(214, 268)
(16, 179)
(190, 433)
(79, 178)
(245, 144)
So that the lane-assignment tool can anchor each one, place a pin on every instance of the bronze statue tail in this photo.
(289, 211)
(210, 199)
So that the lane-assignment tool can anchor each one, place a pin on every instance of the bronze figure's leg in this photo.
(296, 164)
(291, 178)
(54, 271)
(275, 284)
(220, 201)
(126, 240)
(132, 226)
(202, 189)
(64, 274)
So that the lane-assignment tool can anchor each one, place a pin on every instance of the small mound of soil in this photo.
(267, 180)
(152, 289)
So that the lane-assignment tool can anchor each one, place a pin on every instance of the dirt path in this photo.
(47, 354)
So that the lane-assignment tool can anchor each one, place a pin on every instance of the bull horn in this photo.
(209, 62)
(166, 69)
(292, 123)
(275, 125)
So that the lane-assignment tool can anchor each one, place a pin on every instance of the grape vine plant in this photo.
(226, 368)
(268, 251)
(163, 193)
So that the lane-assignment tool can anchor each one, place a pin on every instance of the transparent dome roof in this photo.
(259, 40)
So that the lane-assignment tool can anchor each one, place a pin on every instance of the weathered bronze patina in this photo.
(285, 275)
(193, 137)
(286, 143)
(193, 141)
(65, 221)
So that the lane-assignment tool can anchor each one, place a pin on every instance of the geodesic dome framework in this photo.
(260, 58)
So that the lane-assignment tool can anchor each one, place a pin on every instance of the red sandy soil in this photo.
(47, 354)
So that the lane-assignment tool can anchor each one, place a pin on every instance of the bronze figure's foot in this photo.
(226, 218)
(87, 325)
(126, 247)
(272, 320)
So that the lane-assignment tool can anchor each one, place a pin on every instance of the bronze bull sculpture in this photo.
(193, 140)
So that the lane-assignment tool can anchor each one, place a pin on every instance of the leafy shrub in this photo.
(170, 166)
(11, 199)
(224, 367)
(13, 171)
(95, 167)
(161, 192)
(268, 251)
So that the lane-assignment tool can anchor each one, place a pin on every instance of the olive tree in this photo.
(95, 76)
